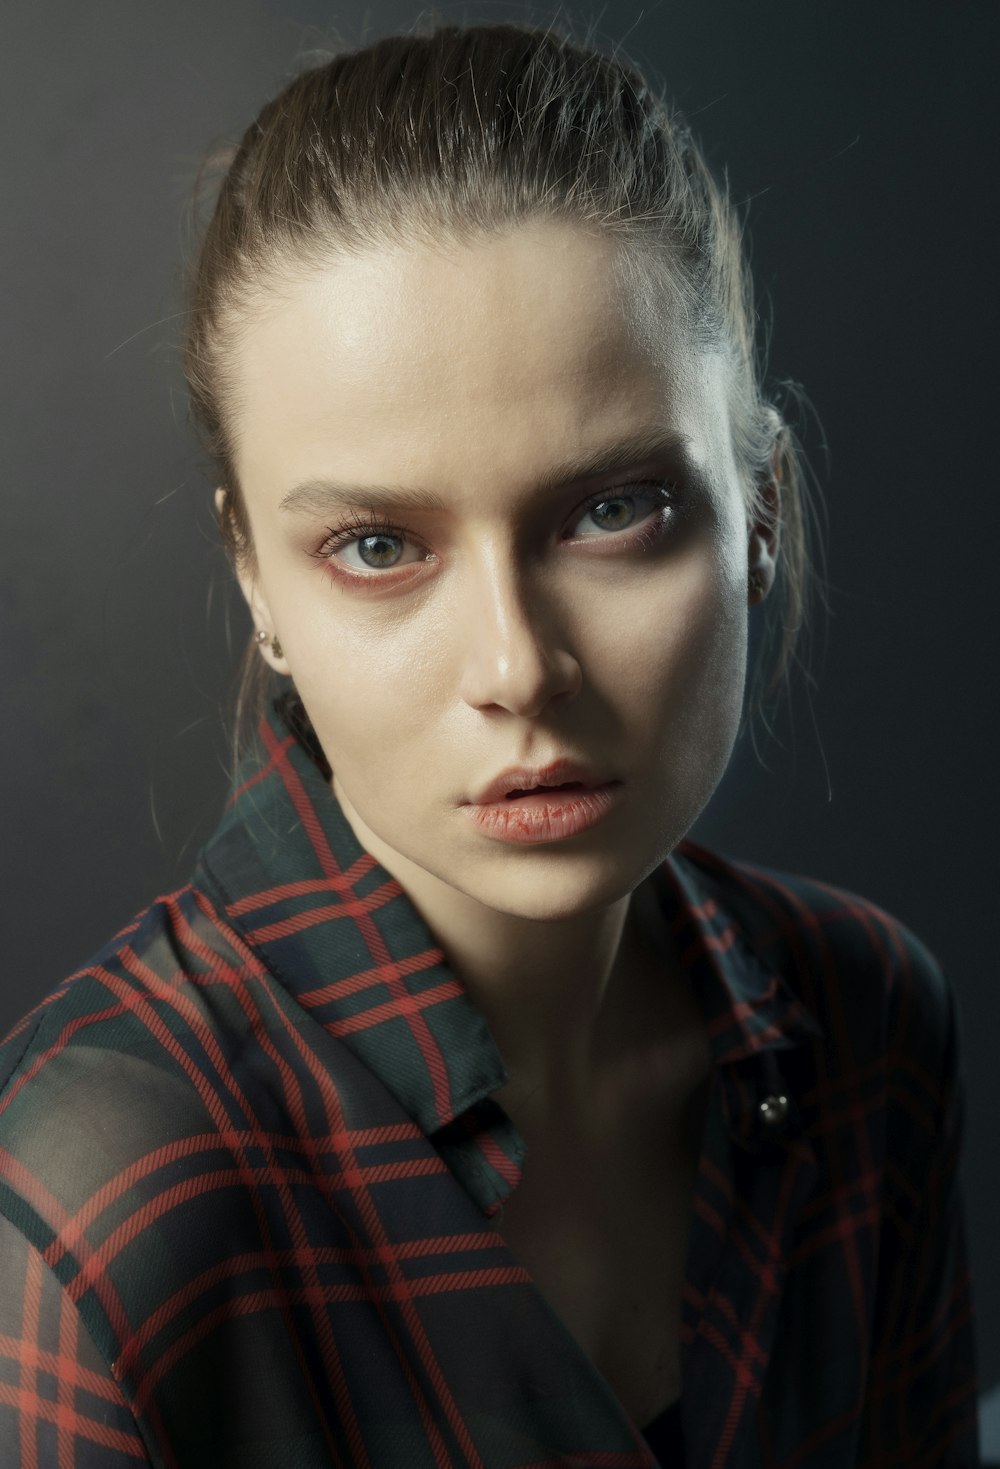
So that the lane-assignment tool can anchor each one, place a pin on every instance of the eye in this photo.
(376, 552)
(367, 544)
(618, 509)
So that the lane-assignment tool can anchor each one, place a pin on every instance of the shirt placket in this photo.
(757, 1171)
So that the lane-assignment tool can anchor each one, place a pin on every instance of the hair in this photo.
(454, 137)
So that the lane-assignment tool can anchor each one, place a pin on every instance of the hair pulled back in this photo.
(449, 138)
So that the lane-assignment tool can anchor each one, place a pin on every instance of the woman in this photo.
(460, 1110)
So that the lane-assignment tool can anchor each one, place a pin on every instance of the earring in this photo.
(260, 636)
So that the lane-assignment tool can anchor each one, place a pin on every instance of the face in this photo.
(454, 596)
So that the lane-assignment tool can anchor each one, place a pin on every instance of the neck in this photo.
(552, 994)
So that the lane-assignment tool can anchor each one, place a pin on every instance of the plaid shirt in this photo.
(248, 1156)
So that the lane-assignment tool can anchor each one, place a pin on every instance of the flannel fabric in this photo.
(249, 1160)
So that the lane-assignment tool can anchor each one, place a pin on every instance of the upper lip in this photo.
(560, 772)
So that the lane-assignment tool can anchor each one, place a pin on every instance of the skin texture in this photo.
(514, 627)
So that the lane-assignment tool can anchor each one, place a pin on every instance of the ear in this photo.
(764, 539)
(254, 597)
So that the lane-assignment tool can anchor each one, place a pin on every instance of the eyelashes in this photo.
(374, 533)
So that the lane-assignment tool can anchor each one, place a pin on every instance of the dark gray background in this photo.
(865, 136)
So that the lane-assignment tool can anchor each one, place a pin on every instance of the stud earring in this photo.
(260, 636)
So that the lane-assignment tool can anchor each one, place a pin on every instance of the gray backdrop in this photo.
(865, 137)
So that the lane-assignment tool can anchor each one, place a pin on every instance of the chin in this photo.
(549, 886)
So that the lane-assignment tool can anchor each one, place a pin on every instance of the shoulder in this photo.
(119, 1059)
(163, 949)
(868, 977)
(125, 1107)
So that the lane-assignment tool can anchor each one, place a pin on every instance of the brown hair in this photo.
(451, 137)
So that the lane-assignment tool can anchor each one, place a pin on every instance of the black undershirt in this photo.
(665, 1438)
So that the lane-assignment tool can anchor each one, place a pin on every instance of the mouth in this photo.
(545, 813)
(568, 785)
(520, 783)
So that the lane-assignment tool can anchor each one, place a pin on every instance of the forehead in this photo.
(407, 356)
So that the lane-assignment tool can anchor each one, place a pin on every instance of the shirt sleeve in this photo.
(60, 1405)
(921, 1400)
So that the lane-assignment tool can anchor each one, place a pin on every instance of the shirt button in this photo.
(774, 1109)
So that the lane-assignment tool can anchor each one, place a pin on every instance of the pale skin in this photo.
(512, 626)
(508, 624)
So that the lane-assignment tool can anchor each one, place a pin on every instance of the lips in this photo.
(543, 812)
(563, 774)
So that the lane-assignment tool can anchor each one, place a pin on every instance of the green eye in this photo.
(378, 552)
(622, 513)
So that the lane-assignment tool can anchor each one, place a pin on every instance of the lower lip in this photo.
(549, 816)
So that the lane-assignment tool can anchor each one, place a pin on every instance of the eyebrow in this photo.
(316, 495)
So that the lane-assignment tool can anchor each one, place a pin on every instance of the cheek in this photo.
(369, 688)
(681, 648)
(691, 692)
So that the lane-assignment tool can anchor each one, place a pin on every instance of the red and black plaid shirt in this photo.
(248, 1155)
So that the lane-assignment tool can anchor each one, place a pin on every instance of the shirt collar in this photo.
(339, 932)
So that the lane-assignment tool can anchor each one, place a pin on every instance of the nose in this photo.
(514, 655)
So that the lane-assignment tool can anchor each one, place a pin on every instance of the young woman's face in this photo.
(453, 599)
